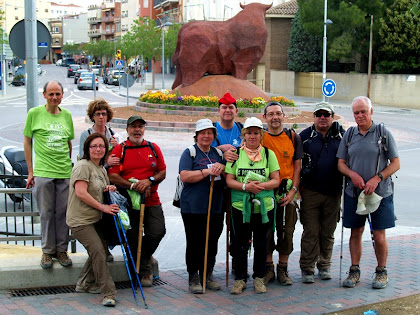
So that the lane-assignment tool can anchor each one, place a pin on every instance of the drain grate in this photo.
(68, 289)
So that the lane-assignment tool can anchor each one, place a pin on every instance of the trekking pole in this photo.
(142, 206)
(227, 240)
(371, 231)
(342, 230)
(125, 260)
(132, 260)
(206, 249)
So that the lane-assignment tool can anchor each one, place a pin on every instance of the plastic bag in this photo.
(252, 176)
(121, 201)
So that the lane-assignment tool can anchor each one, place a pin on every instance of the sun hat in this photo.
(204, 124)
(135, 118)
(253, 122)
(324, 106)
(368, 203)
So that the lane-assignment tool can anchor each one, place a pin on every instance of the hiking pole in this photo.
(125, 260)
(227, 245)
(342, 230)
(371, 231)
(142, 206)
(132, 261)
(206, 248)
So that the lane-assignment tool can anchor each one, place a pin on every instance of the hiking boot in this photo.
(307, 277)
(238, 286)
(93, 289)
(259, 285)
(195, 284)
(64, 259)
(46, 261)
(283, 274)
(269, 273)
(381, 278)
(324, 274)
(353, 277)
(109, 301)
(155, 267)
(146, 281)
(211, 284)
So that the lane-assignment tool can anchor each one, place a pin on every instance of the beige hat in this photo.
(368, 203)
(253, 122)
(204, 124)
(324, 106)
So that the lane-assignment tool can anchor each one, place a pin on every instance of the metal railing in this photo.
(19, 218)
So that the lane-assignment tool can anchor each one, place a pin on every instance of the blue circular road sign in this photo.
(329, 88)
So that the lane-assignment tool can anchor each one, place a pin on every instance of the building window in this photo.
(16, 18)
(46, 10)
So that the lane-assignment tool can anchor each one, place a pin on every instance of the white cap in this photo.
(204, 124)
(368, 203)
(253, 122)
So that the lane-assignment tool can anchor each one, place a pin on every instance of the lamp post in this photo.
(163, 53)
(324, 49)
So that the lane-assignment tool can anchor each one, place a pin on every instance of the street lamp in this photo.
(324, 49)
(163, 52)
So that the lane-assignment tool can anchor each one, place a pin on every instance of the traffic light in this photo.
(118, 55)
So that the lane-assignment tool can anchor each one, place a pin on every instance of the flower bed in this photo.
(164, 97)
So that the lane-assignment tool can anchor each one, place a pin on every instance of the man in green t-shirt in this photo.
(51, 129)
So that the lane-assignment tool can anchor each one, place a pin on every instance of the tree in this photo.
(399, 35)
(349, 33)
(304, 53)
(71, 49)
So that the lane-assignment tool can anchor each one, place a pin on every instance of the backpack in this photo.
(266, 154)
(237, 123)
(125, 147)
(382, 141)
(179, 184)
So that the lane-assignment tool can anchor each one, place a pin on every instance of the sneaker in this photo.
(307, 277)
(283, 274)
(46, 261)
(109, 301)
(93, 289)
(324, 274)
(64, 259)
(238, 286)
(146, 281)
(211, 284)
(381, 278)
(109, 257)
(353, 277)
(269, 273)
(259, 285)
(195, 284)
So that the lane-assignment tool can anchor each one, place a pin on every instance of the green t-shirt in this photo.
(51, 134)
(243, 166)
(78, 212)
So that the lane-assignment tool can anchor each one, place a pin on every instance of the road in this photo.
(403, 123)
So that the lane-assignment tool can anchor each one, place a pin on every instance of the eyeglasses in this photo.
(325, 114)
(100, 114)
(96, 146)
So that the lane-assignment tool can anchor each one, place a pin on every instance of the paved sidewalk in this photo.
(172, 296)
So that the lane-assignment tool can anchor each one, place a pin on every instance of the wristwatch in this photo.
(381, 176)
(152, 179)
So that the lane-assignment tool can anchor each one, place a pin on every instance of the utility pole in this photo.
(370, 56)
(31, 50)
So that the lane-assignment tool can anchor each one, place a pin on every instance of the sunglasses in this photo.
(319, 114)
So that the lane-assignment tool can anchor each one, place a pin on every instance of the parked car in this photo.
(114, 76)
(72, 69)
(77, 74)
(38, 69)
(67, 62)
(59, 62)
(85, 81)
(19, 78)
(96, 69)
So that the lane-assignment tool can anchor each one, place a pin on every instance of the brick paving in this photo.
(320, 297)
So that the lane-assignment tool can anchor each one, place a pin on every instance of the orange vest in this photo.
(283, 147)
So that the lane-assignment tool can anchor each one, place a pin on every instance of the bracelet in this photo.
(202, 173)
(131, 187)
(243, 186)
(294, 187)
(103, 208)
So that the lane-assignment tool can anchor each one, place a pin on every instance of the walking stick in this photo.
(206, 249)
(142, 206)
(371, 231)
(227, 237)
(342, 229)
